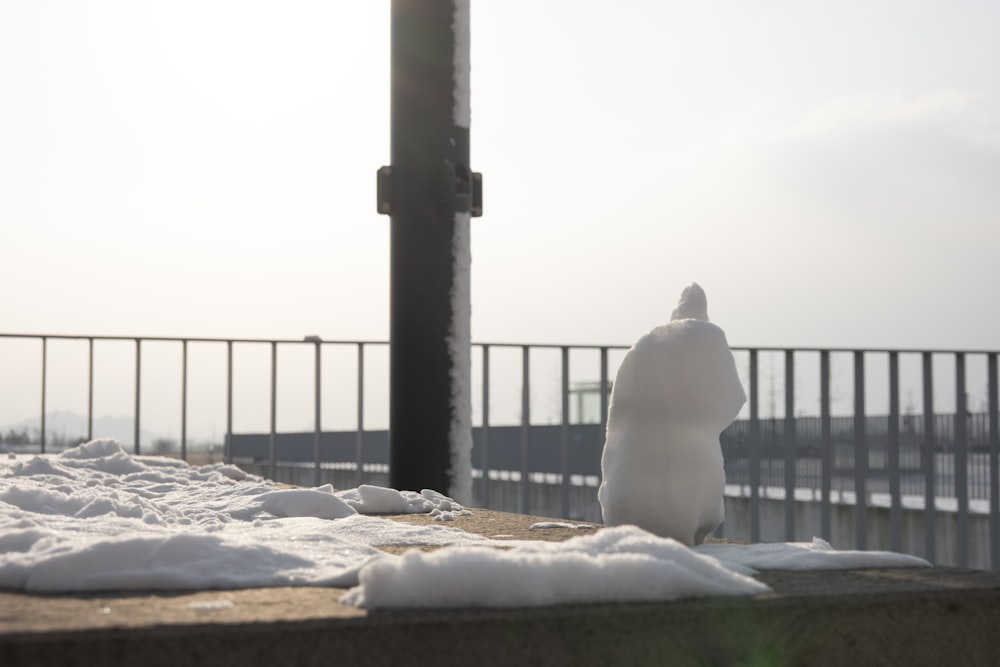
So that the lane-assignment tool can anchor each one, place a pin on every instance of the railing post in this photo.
(227, 446)
(273, 437)
(603, 391)
(138, 384)
(860, 454)
(359, 437)
(484, 454)
(895, 488)
(789, 437)
(90, 389)
(928, 455)
(994, 420)
(603, 399)
(961, 462)
(525, 428)
(826, 443)
(317, 424)
(45, 357)
(184, 386)
(564, 433)
(754, 449)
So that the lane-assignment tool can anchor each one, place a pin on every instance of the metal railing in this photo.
(229, 344)
(800, 452)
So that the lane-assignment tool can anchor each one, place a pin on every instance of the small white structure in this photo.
(676, 390)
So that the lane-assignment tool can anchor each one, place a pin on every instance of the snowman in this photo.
(675, 392)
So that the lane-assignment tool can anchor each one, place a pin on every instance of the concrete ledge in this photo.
(886, 617)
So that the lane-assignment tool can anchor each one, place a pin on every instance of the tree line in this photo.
(34, 436)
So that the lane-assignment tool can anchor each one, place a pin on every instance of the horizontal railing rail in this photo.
(919, 451)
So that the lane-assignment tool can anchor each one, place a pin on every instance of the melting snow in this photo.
(97, 518)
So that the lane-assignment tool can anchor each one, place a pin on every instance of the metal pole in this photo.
(564, 434)
(90, 389)
(525, 428)
(484, 496)
(184, 406)
(790, 456)
(428, 193)
(994, 417)
(826, 439)
(317, 476)
(895, 487)
(272, 444)
(860, 454)
(227, 446)
(929, 452)
(960, 461)
(359, 436)
(604, 390)
(603, 398)
(138, 383)
(754, 450)
(45, 355)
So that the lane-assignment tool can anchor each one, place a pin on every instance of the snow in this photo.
(460, 352)
(614, 565)
(815, 555)
(95, 518)
(676, 390)
(545, 525)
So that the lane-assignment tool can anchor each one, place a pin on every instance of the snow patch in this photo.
(460, 352)
(815, 555)
(624, 564)
(98, 519)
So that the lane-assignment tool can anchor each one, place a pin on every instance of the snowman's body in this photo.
(676, 390)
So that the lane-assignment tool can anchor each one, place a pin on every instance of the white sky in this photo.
(828, 174)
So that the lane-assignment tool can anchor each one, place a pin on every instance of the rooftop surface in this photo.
(907, 616)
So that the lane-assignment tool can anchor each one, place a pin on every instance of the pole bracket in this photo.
(460, 189)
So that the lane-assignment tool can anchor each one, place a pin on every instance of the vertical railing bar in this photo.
(525, 426)
(318, 428)
(860, 454)
(604, 399)
(994, 420)
(960, 461)
(90, 389)
(184, 387)
(45, 360)
(359, 436)
(895, 487)
(485, 431)
(790, 457)
(564, 433)
(928, 455)
(227, 446)
(138, 385)
(826, 444)
(754, 449)
(272, 443)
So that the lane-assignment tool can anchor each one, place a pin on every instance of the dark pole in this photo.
(429, 193)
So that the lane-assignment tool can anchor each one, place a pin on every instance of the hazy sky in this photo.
(829, 172)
